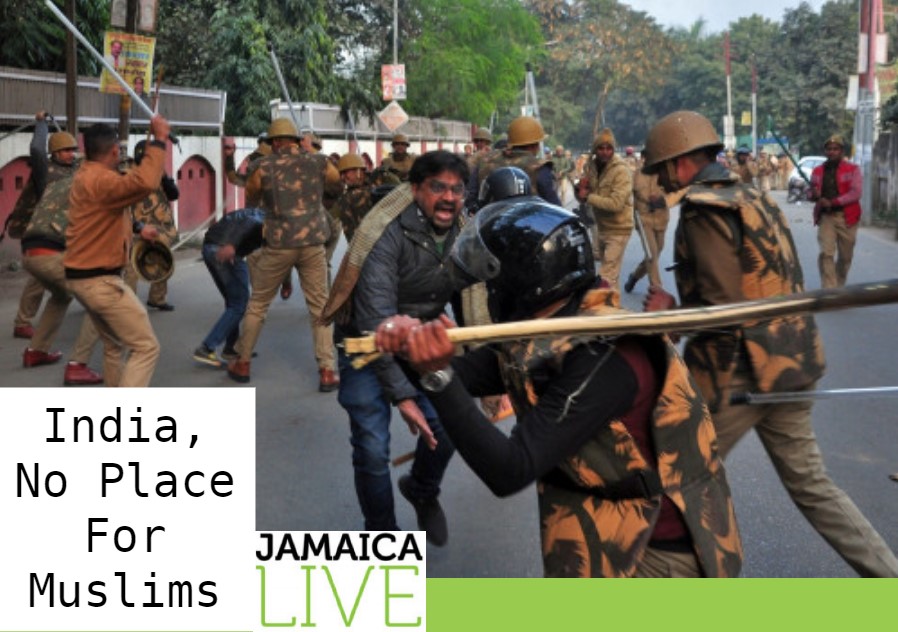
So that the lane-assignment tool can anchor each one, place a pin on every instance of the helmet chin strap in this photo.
(671, 167)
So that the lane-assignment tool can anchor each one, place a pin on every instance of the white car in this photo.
(797, 185)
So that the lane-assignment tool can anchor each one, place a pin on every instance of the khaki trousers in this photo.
(122, 322)
(610, 250)
(835, 237)
(50, 273)
(268, 270)
(786, 433)
(29, 302)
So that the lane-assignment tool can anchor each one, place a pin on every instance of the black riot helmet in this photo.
(503, 183)
(530, 254)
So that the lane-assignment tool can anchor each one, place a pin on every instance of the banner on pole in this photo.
(392, 79)
(132, 57)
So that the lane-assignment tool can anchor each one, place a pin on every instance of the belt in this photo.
(37, 252)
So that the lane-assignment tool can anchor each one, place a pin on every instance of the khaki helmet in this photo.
(835, 139)
(677, 134)
(62, 140)
(525, 130)
(483, 134)
(400, 139)
(350, 161)
(153, 261)
(282, 128)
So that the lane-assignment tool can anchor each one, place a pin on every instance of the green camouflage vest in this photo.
(399, 168)
(785, 354)
(292, 188)
(51, 213)
(22, 212)
(497, 158)
(584, 535)
(352, 206)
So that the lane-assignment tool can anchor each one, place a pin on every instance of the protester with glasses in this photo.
(406, 271)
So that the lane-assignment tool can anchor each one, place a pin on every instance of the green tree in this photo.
(469, 57)
(33, 38)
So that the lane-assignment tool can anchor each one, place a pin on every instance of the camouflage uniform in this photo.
(611, 200)
(399, 168)
(43, 244)
(540, 172)
(352, 206)
(733, 243)
(587, 535)
(17, 222)
(290, 185)
(154, 210)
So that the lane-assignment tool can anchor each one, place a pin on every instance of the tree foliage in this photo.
(597, 61)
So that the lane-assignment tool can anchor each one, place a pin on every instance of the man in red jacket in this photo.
(836, 186)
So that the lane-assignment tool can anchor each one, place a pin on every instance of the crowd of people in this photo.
(625, 437)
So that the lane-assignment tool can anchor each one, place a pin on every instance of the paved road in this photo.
(303, 454)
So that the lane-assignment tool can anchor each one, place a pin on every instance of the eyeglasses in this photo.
(439, 188)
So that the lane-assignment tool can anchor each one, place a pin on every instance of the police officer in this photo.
(734, 244)
(525, 134)
(290, 184)
(400, 161)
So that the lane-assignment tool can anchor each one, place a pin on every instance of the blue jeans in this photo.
(232, 280)
(369, 418)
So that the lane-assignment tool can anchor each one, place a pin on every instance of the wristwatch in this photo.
(437, 381)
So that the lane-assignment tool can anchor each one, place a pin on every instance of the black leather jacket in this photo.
(404, 273)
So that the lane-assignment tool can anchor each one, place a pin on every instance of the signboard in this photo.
(393, 116)
(392, 79)
(146, 14)
(132, 57)
(746, 118)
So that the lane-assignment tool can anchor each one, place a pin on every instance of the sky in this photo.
(717, 13)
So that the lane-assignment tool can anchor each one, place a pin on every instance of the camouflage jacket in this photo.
(155, 210)
(21, 214)
(586, 535)
(352, 206)
(51, 216)
(290, 184)
(733, 243)
(508, 158)
(399, 168)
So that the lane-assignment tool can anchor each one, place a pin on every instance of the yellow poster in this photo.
(132, 57)
(746, 118)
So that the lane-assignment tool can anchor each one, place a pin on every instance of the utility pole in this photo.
(71, 74)
(871, 31)
(754, 107)
(729, 126)
(124, 108)
(395, 32)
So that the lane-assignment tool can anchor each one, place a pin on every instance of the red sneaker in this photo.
(79, 374)
(33, 357)
(238, 370)
(328, 381)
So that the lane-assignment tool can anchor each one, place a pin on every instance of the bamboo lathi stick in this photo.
(668, 321)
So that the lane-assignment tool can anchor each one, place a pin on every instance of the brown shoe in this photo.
(79, 374)
(33, 357)
(286, 289)
(328, 381)
(238, 370)
(23, 331)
